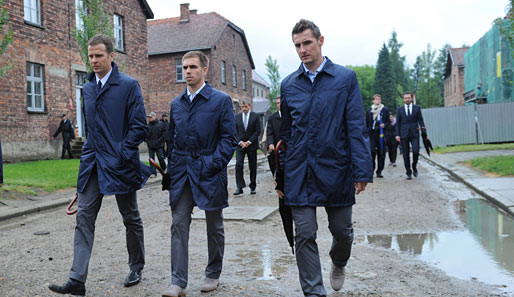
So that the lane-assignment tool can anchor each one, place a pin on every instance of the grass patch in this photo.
(49, 175)
(500, 165)
(473, 148)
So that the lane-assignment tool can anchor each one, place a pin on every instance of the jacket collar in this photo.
(114, 78)
(205, 93)
(328, 68)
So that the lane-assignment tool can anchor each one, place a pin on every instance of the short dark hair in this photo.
(407, 93)
(102, 39)
(303, 25)
(204, 61)
(245, 101)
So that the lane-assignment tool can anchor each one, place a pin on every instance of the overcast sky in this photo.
(354, 30)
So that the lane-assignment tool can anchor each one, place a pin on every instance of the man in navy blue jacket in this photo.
(109, 164)
(202, 140)
(328, 157)
(409, 121)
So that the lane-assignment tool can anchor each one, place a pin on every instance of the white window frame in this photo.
(179, 69)
(223, 73)
(119, 42)
(234, 76)
(32, 11)
(243, 79)
(33, 81)
(79, 25)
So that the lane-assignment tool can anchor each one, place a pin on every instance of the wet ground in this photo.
(427, 237)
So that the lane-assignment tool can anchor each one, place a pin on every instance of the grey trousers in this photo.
(181, 215)
(307, 256)
(89, 203)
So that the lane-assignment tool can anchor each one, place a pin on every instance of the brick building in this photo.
(454, 77)
(47, 72)
(230, 66)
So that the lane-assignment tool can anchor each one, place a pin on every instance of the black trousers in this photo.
(376, 151)
(160, 155)
(252, 163)
(406, 142)
(392, 149)
(66, 147)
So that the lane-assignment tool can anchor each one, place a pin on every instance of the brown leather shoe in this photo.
(174, 291)
(210, 284)
(337, 276)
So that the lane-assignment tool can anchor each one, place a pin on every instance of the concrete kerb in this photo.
(470, 185)
(52, 203)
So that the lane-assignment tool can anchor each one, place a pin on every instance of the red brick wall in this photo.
(454, 87)
(27, 135)
(162, 73)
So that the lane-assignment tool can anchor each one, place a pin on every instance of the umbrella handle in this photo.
(154, 164)
(70, 211)
(280, 144)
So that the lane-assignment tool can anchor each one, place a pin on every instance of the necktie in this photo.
(245, 121)
(408, 110)
(99, 85)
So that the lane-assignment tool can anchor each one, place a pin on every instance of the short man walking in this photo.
(377, 121)
(109, 164)
(409, 121)
(156, 138)
(248, 128)
(327, 159)
(202, 141)
(273, 134)
(68, 134)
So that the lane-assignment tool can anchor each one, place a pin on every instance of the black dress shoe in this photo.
(238, 192)
(415, 172)
(72, 287)
(252, 191)
(133, 278)
(380, 175)
(409, 176)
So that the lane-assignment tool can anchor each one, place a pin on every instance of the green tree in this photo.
(384, 83)
(95, 20)
(274, 77)
(428, 92)
(440, 66)
(506, 26)
(366, 76)
(398, 64)
(6, 38)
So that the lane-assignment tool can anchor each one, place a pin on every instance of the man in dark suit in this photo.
(68, 134)
(409, 121)
(377, 120)
(248, 129)
(273, 134)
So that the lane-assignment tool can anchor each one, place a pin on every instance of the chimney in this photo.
(184, 13)
(194, 11)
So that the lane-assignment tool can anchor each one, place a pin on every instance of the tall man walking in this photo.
(409, 121)
(248, 127)
(327, 159)
(202, 140)
(377, 121)
(109, 164)
(68, 134)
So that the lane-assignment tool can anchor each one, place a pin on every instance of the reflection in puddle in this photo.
(484, 250)
(263, 264)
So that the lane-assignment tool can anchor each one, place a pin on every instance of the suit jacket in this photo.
(409, 125)
(384, 115)
(252, 132)
(66, 128)
(273, 130)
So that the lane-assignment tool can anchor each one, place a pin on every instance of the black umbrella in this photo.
(285, 211)
(426, 141)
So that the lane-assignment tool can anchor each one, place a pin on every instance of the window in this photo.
(118, 33)
(234, 40)
(243, 79)
(80, 7)
(35, 99)
(234, 77)
(32, 11)
(179, 70)
(223, 73)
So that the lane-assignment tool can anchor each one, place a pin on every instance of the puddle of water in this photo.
(263, 264)
(483, 251)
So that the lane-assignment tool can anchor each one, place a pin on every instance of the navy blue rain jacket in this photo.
(116, 125)
(202, 140)
(326, 138)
